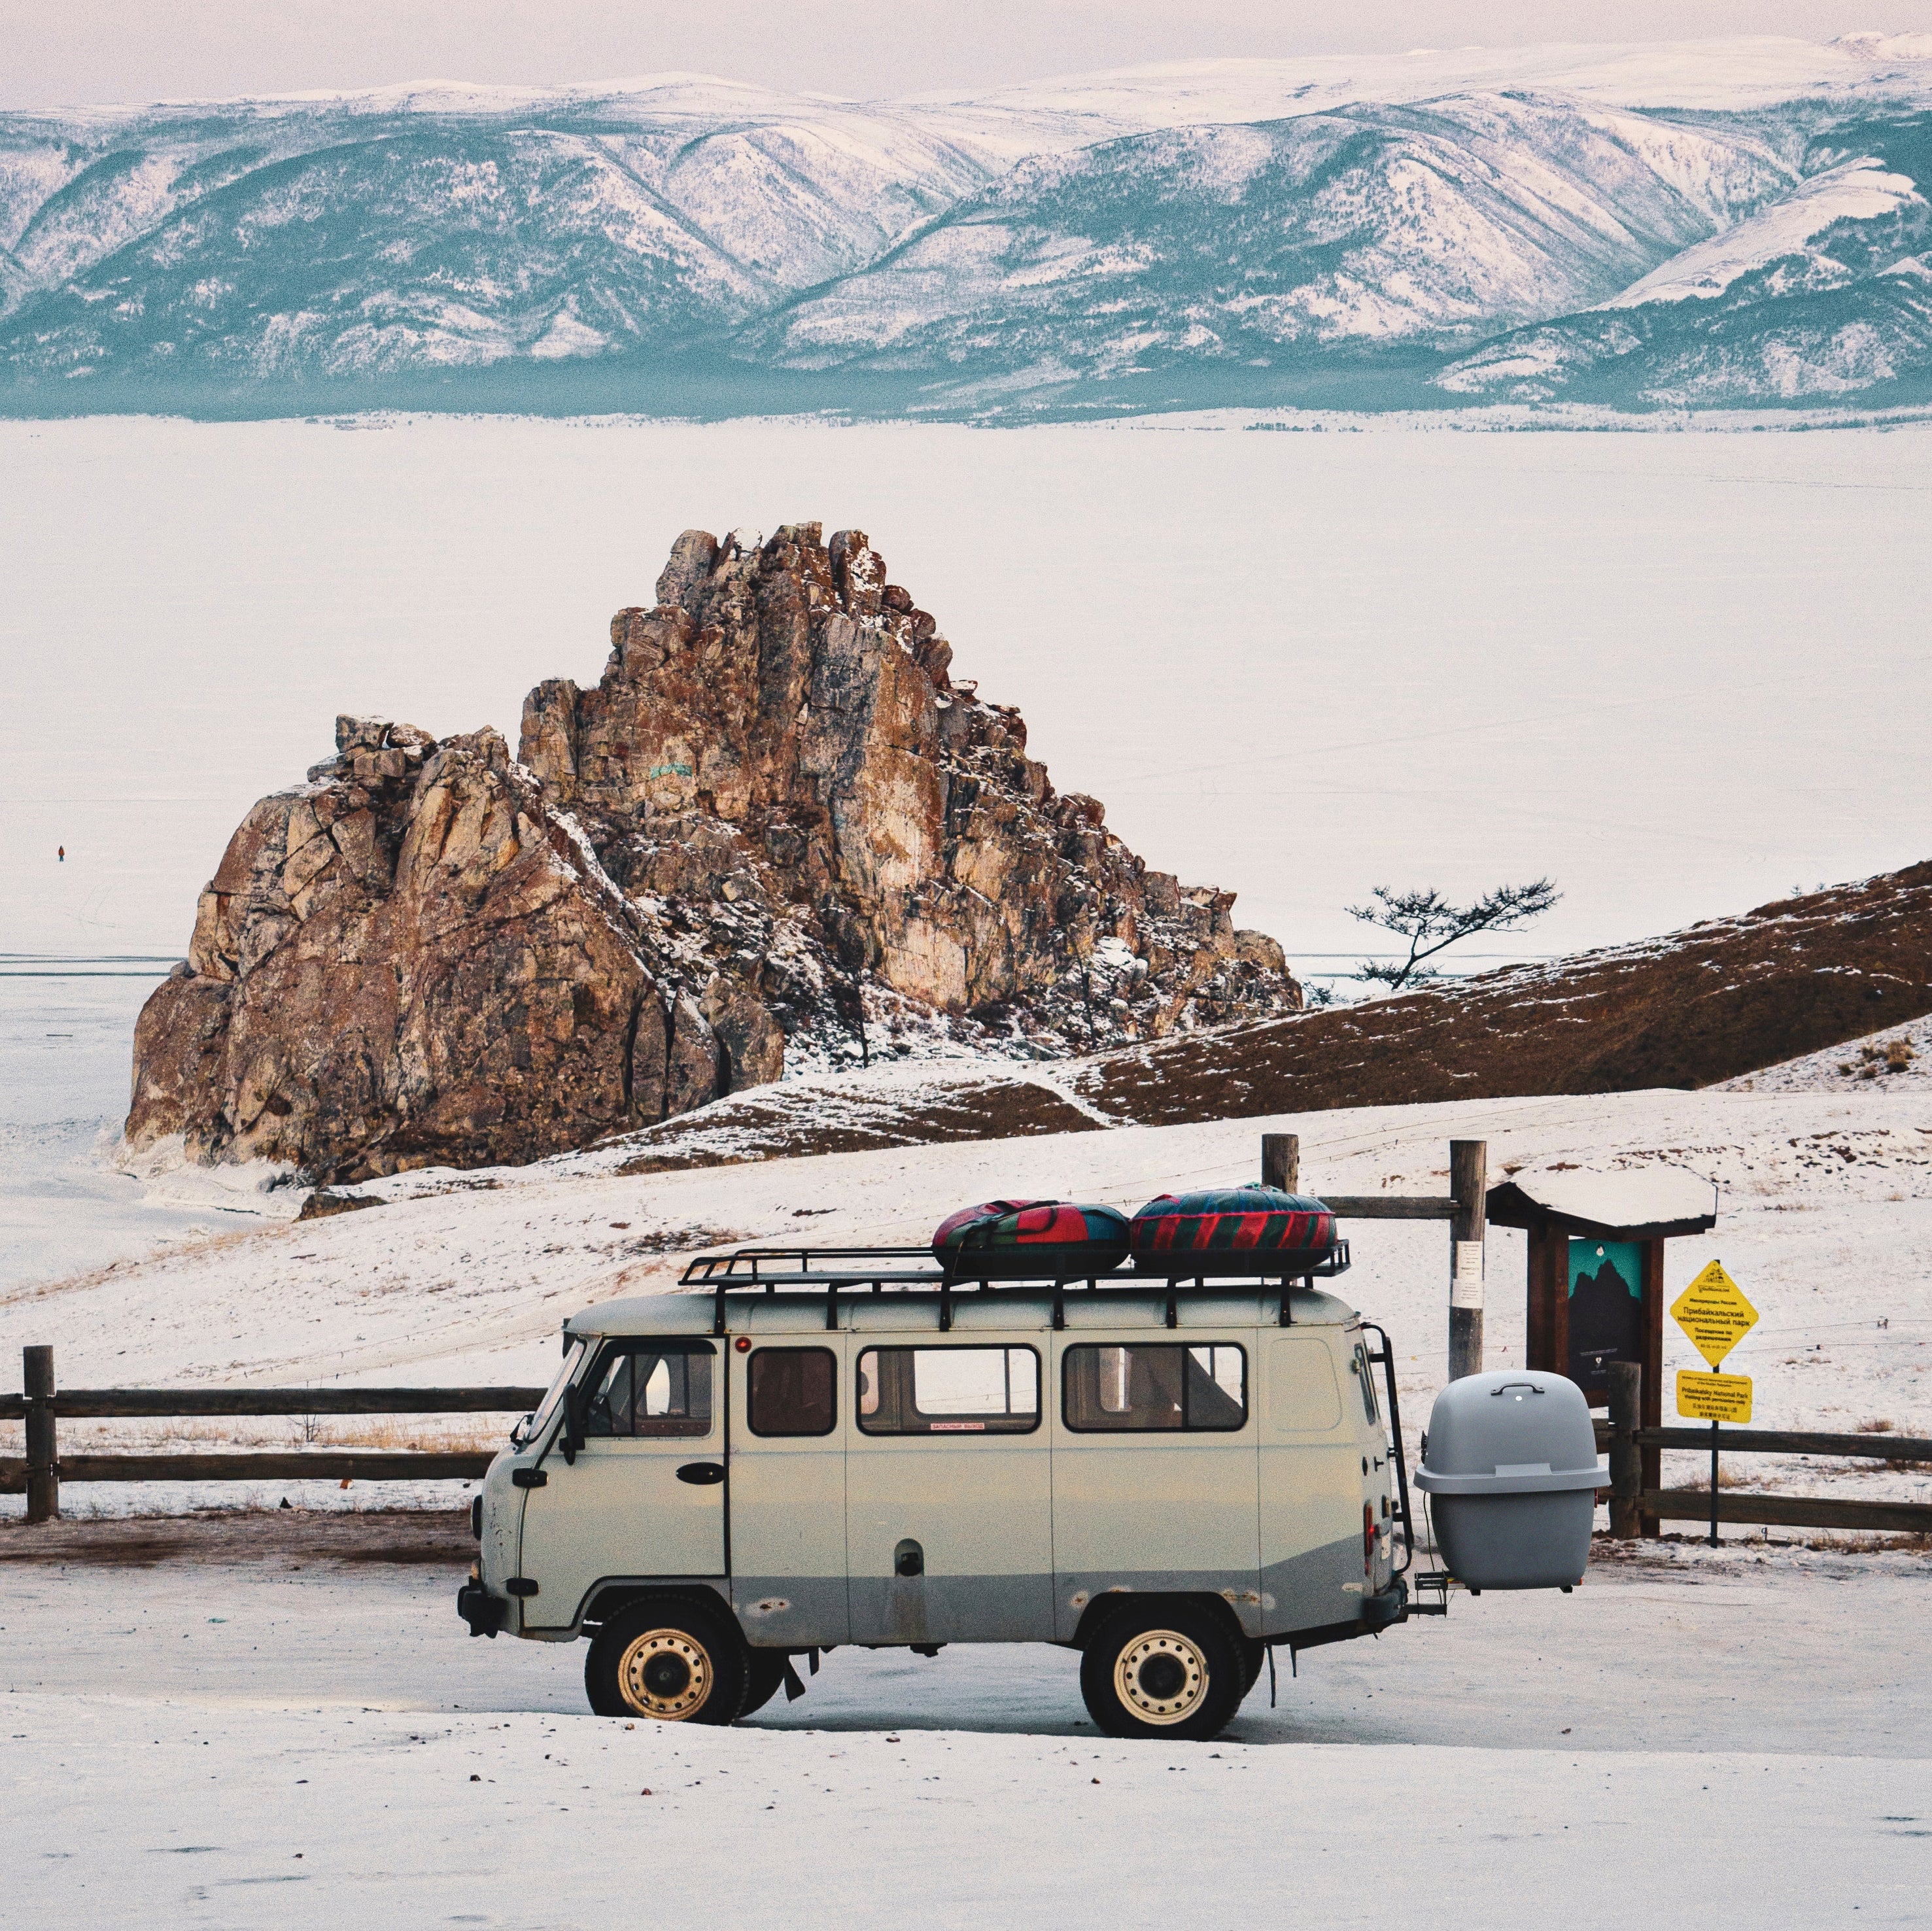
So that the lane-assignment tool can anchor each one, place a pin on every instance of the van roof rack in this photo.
(766, 1269)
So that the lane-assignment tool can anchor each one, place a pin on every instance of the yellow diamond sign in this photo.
(1712, 1310)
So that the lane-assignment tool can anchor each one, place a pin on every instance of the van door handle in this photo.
(702, 1472)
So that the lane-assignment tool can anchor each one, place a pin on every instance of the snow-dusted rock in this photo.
(410, 960)
(782, 732)
(775, 831)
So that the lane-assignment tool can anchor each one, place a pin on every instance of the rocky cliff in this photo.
(775, 834)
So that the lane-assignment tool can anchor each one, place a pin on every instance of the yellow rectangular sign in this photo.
(1713, 1311)
(1714, 1397)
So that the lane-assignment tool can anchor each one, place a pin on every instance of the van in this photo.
(826, 1447)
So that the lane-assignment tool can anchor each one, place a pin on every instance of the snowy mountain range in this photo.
(1724, 224)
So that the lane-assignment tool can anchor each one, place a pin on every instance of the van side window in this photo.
(661, 1388)
(1164, 1385)
(949, 1390)
(793, 1391)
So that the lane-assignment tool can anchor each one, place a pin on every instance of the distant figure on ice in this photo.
(62, 850)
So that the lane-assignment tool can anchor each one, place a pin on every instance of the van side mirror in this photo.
(573, 1425)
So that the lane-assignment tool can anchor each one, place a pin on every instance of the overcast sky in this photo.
(68, 51)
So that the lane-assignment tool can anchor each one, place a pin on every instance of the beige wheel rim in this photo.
(1161, 1677)
(665, 1674)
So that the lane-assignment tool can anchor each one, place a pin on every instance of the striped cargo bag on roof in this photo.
(1233, 1229)
(1018, 1239)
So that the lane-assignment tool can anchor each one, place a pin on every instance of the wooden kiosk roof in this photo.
(1653, 1203)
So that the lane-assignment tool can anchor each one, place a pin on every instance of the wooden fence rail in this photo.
(246, 1465)
(96, 1403)
(1779, 1441)
(1635, 1510)
(1795, 1511)
(42, 1470)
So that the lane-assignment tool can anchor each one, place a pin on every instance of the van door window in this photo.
(661, 1388)
(793, 1391)
(949, 1390)
(1364, 1373)
(1156, 1386)
(532, 1425)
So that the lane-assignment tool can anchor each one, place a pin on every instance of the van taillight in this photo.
(1368, 1539)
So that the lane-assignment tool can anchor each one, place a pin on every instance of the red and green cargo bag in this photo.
(1031, 1240)
(1258, 1230)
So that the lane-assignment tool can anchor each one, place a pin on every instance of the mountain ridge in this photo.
(1712, 225)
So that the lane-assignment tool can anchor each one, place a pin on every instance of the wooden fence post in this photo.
(1469, 1166)
(1626, 1458)
(1281, 1162)
(37, 1382)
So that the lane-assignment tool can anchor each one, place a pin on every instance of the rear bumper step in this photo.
(485, 1613)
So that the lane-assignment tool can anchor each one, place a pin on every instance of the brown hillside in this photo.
(1727, 996)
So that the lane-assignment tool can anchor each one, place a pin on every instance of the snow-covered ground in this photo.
(1899, 1060)
(254, 1744)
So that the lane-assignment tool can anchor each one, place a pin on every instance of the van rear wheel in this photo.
(1254, 1653)
(1173, 1671)
(765, 1677)
(668, 1659)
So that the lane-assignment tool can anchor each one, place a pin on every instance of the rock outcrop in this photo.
(775, 834)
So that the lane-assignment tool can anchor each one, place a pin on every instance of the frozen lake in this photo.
(1680, 672)
(66, 1031)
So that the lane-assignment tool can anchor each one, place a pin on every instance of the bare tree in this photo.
(1430, 923)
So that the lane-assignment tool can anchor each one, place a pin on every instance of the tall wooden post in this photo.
(1469, 1169)
(1653, 1372)
(1546, 1305)
(1626, 1458)
(1281, 1162)
(37, 1381)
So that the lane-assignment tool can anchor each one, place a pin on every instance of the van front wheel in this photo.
(1172, 1672)
(669, 1659)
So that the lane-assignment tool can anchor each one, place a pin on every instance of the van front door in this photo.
(949, 1505)
(788, 1490)
(645, 1495)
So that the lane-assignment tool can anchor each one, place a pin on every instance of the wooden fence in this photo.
(1635, 1510)
(41, 1472)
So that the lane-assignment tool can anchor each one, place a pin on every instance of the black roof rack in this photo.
(828, 1269)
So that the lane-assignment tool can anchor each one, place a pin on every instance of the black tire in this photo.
(1173, 1672)
(1254, 1655)
(669, 1659)
(765, 1675)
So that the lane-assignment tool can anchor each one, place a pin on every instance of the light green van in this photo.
(819, 1450)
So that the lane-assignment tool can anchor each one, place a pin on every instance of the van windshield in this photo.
(533, 1426)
